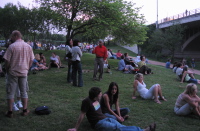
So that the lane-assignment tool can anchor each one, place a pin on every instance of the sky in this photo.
(166, 8)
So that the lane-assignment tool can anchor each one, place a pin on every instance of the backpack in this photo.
(42, 110)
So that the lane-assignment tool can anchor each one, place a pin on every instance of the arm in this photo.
(105, 54)
(189, 100)
(106, 100)
(135, 84)
(183, 76)
(81, 116)
(118, 110)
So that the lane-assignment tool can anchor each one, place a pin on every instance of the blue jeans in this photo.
(76, 67)
(109, 124)
(123, 112)
(69, 72)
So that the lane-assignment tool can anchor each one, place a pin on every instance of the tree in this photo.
(169, 39)
(98, 18)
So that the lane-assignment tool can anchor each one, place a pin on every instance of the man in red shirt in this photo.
(101, 55)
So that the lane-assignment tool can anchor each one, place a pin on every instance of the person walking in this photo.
(18, 60)
(101, 55)
(76, 64)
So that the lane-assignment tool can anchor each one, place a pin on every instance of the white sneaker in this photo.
(19, 104)
(15, 107)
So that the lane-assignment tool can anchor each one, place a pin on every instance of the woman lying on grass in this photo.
(188, 101)
(145, 93)
(108, 99)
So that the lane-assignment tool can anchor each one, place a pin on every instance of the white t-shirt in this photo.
(179, 71)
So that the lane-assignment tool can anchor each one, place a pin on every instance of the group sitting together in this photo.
(129, 65)
(39, 62)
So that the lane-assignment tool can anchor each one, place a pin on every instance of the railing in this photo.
(181, 15)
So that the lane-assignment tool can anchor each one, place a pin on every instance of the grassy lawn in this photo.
(50, 88)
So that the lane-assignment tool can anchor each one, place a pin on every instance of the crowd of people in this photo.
(97, 106)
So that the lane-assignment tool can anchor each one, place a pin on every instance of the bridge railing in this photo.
(181, 15)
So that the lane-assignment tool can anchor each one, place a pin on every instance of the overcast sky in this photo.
(166, 8)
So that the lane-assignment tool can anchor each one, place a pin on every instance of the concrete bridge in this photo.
(191, 42)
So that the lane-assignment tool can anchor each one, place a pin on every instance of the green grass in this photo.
(50, 88)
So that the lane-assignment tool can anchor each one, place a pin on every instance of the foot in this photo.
(162, 98)
(25, 113)
(157, 101)
(126, 117)
(10, 115)
(151, 127)
(15, 108)
(19, 104)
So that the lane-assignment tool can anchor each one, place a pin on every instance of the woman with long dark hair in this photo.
(112, 97)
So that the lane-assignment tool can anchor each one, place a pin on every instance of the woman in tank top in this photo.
(154, 92)
(188, 101)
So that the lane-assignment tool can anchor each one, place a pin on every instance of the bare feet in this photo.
(151, 127)
(157, 101)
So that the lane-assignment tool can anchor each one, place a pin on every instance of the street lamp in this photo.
(157, 16)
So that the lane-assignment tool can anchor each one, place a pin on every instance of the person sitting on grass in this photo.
(186, 77)
(111, 98)
(168, 63)
(188, 102)
(119, 54)
(36, 65)
(154, 92)
(123, 67)
(54, 61)
(92, 109)
(143, 67)
(179, 71)
(42, 59)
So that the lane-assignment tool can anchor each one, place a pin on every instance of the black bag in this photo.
(42, 110)
(69, 55)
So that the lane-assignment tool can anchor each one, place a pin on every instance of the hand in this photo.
(73, 129)
(134, 97)
(120, 119)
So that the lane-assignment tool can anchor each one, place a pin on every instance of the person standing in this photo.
(76, 64)
(68, 50)
(18, 60)
(101, 55)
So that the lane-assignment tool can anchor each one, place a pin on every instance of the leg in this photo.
(69, 73)
(155, 92)
(74, 73)
(160, 93)
(95, 68)
(101, 63)
(80, 79)
(23, 86)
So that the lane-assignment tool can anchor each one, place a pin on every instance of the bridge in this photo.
(191, 42)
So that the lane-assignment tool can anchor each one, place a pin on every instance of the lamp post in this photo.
(157, 16)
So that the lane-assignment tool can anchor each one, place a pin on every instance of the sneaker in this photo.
(19, 104)
(9, 115)
(25, 113)
(15, 107)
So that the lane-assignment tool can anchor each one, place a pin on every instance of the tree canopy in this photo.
(98, 19)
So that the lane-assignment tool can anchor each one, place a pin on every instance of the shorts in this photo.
(13, 82)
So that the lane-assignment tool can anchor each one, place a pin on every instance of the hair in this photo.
(101, 41)
(138, 75)
(141, 57)
(75, 42)
(118, 50)
(184, 69)
(190, 88)
(94, 92)
(109, 92)
(122, 57)
(16, 34)
(179, 64)
(68, 42)
(40, 53)
(125, 54)
(37, 57)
